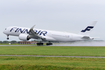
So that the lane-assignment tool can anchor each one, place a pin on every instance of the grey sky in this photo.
(60, 15)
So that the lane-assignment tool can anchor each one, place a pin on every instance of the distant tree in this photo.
(5, 41)
(13, 41)
(0, 41)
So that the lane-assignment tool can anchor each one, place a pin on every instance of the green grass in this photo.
(51, 63)
(50, 50)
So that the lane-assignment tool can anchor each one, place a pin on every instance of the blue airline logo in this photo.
(88, 29)
(20, 30)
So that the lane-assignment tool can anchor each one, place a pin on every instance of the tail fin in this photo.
(89, 27)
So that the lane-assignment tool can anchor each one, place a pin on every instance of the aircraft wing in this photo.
(34, 35)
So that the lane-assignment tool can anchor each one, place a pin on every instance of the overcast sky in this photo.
(60, 15)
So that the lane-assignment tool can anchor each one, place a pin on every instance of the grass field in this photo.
(51, 63)
(53, 50)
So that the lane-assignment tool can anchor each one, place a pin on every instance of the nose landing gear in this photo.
(7, 37)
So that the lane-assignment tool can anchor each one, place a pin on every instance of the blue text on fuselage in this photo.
(20, 30)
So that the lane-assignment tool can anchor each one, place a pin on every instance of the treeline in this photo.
(9, 42)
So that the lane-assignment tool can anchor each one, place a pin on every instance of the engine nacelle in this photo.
(24, 37)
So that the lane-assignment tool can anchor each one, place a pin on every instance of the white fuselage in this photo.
(46, 34)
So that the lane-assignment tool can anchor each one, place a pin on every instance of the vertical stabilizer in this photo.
(89, 27)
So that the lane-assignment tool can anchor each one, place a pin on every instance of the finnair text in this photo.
(23, 30)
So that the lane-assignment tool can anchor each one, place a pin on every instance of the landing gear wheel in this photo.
(49, 43)
(39, 44)
(7, 38)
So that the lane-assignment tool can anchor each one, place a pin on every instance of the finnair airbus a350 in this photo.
(48, 35)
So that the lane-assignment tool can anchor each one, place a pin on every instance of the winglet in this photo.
(32, 27)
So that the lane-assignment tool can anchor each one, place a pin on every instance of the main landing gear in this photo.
(41, 44)
(49, 43)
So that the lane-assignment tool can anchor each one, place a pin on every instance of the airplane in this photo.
(48, 35)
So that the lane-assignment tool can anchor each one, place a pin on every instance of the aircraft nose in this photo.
(4, 31)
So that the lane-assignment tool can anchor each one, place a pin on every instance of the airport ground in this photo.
(40, 57)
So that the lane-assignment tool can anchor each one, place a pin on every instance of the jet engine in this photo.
(24, 37)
